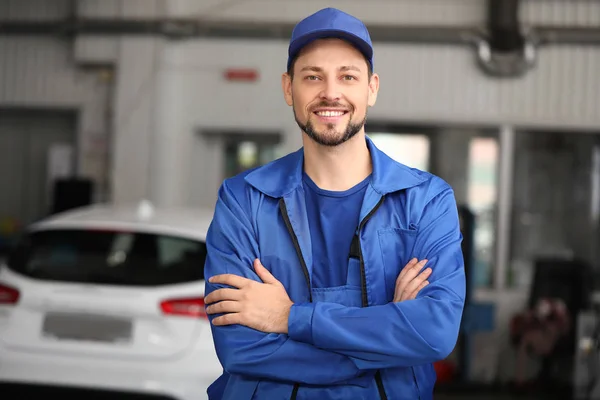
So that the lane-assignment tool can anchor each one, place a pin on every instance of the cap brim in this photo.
(298, 44)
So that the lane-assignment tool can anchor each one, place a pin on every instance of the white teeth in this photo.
(330, 113)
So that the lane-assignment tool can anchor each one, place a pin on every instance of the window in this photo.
(409, 149)
(241, 155)
(482, 192)
(109, 257)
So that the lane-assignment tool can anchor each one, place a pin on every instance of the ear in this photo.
(286, 86)
(373, 89)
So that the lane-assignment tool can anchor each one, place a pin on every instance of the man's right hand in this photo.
(411, 280)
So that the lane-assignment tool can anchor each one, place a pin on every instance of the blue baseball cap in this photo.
(330, 23)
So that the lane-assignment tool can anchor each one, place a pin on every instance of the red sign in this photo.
(241, 75)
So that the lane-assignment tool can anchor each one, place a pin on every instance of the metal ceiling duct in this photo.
(503, 26)
(506, 50)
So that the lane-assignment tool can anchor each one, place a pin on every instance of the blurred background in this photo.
(124, 100)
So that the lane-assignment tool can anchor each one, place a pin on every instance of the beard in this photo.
(329, 136)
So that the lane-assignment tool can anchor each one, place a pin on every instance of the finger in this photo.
(411, 272)
(414, 294)
(408, 283)
(231, 280)
(412, 269)
(409, 275)
(222, 294)
(224, 307)
(228, 319)
(410, 264)
(264, 273)
(415, 283)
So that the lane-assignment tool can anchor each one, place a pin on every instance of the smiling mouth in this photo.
(330, 113)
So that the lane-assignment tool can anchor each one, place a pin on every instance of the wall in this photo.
(34, 10)
(448, 73)
(445, 12)
(427, 85)
(461, 93)
(41, 75)
(411, 12)
(134, 118)
(53, 72)
(38, 72)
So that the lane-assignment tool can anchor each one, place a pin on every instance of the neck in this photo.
(337, 168)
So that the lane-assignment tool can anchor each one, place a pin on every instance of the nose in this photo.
(331, 91)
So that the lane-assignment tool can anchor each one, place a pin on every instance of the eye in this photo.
(311, 78)
(349, 77)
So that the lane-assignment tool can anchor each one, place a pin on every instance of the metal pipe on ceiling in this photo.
(503, 25)
(505, 50)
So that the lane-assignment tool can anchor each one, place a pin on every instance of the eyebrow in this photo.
(341, 69)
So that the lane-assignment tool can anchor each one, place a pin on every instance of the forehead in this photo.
(331, 52)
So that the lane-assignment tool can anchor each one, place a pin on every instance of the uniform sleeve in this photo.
(408, 333)
(232, 248)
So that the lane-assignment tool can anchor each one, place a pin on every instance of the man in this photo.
(313, 286)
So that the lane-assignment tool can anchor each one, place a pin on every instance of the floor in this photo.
(505, 393)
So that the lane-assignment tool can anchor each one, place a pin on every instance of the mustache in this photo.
(326, 104)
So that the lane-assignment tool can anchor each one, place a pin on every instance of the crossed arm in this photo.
(326, 343)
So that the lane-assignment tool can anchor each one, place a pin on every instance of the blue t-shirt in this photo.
(333, 218)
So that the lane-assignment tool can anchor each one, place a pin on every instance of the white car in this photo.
(109, 298)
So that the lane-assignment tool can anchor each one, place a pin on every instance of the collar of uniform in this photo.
(282, 176)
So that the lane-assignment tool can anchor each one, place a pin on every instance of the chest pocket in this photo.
(350, 294)
(397, 248)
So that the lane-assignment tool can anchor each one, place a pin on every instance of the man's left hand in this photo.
(262, 306)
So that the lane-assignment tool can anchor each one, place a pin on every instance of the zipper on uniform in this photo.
(365, 302)
(416, 382)
(363, 287)
(380, 387)
(295, 391)
(363, 278)
(290, 229)
(288, 225)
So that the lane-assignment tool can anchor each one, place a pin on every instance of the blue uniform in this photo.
(350, 340)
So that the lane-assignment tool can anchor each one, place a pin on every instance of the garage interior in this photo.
(121, 101)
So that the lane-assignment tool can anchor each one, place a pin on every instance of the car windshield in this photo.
(109, 257)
